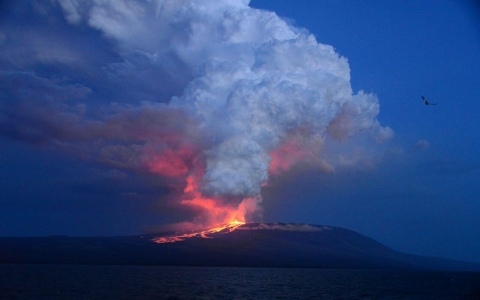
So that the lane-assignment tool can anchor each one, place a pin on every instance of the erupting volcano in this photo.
(229, 227)
(262, 96)
(216, 97)
(224, 210)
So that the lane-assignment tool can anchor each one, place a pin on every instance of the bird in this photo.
(426, 102)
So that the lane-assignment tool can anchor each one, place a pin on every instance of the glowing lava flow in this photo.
(229, 227)
(181, 163)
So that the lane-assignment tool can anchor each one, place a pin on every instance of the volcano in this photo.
(245, 245)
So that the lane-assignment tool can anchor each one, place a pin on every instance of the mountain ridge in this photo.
(250, 245)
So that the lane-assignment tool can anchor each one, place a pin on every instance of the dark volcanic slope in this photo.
(248, 246)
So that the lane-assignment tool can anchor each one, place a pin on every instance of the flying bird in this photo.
(426, 102)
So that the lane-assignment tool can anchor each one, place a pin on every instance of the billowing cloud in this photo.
(214, 96)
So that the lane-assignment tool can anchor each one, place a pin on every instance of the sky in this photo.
(127, 117)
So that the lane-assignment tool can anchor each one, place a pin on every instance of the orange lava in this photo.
(212, 211)
(226, 228)
(181, 161)
(216, 211)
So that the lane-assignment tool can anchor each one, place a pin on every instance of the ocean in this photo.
(154, 282)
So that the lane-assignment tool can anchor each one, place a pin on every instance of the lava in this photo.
(180, 161)
(226, 228)
(215, 211)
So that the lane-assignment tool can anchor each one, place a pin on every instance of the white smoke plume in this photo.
(258, 94)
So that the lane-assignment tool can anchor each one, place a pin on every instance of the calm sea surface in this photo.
(140, 282)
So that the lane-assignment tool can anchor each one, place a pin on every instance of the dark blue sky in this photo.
(424, 201)
(68, 155)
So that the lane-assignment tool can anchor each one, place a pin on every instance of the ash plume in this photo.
(218, 96)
